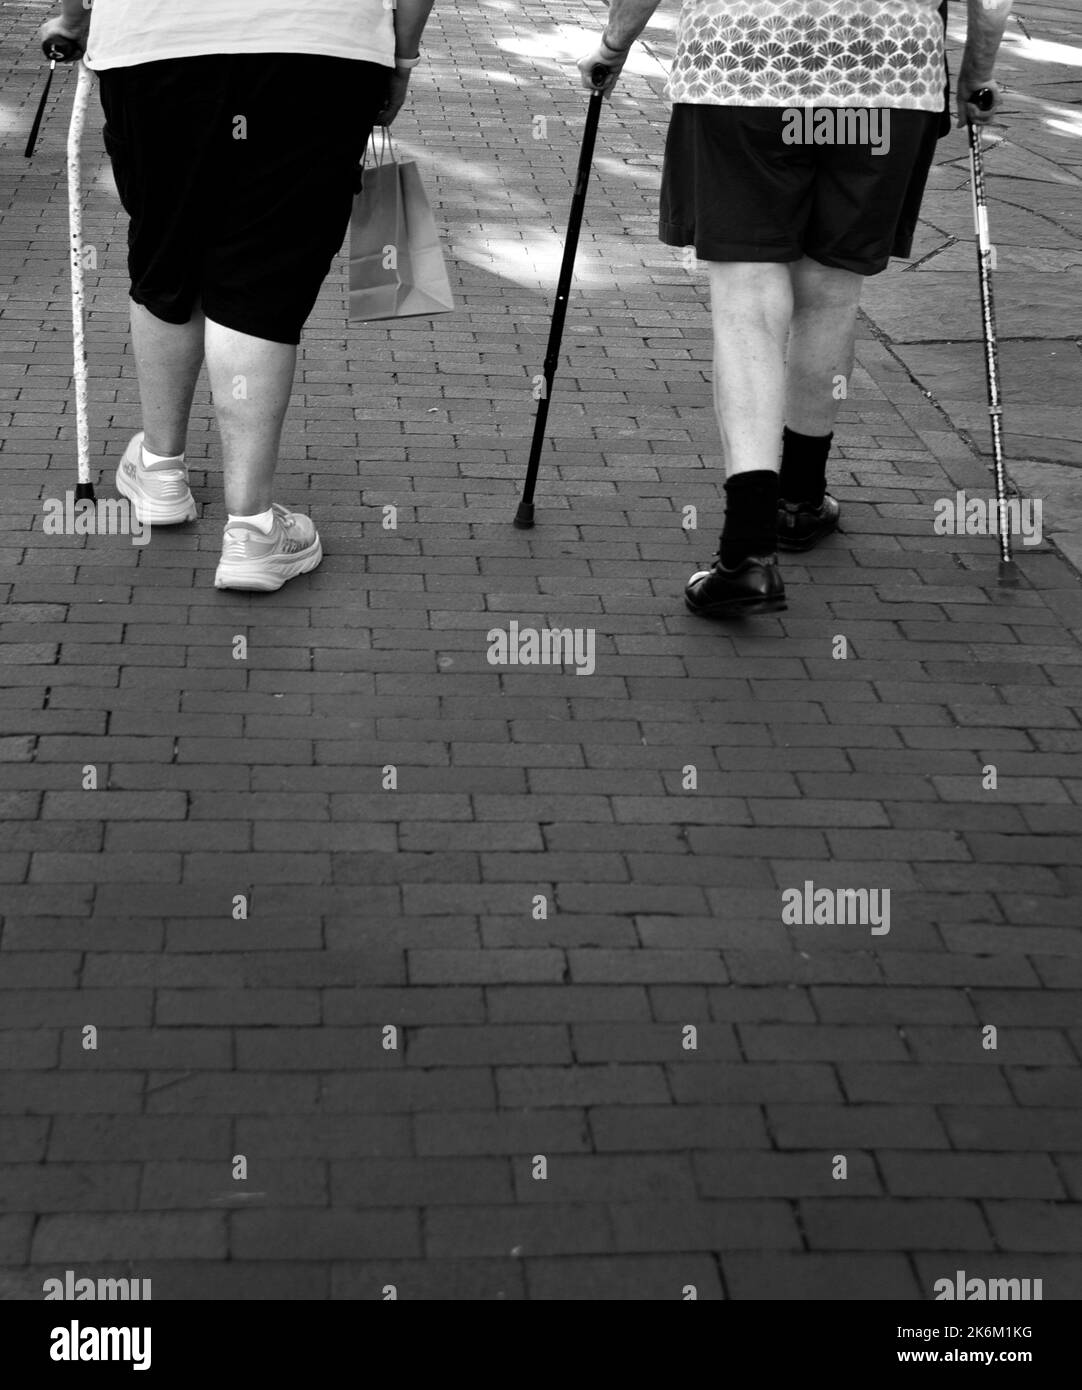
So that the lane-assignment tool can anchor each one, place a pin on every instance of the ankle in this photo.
(803, 473)
(751, 516)
(153, 451)
(262, 520)
(247, 506)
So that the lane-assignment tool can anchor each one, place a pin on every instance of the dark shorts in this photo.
(736, 191)
(238, 174)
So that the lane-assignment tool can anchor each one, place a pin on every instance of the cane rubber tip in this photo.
(524, 516)
(1009, 577)
(84, 492)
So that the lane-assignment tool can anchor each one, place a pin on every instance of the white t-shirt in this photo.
(124, 32)
(809, 53)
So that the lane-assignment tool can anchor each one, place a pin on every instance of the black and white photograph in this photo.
(541, 601)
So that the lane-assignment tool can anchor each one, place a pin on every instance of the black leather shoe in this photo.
(753, 586)
(801, 526)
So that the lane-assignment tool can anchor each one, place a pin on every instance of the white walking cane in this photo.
(984, 100)
(84, 488)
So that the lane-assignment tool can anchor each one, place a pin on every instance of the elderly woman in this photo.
(235, 134)
(791, 227)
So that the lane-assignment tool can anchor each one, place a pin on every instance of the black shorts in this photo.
(238, 173)
(736, 191)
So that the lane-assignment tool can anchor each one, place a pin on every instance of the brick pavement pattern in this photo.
(549, 939)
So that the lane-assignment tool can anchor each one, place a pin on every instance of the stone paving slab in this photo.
(1027, 306)
(532, 1023)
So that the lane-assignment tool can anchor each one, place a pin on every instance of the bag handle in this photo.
(386, 148)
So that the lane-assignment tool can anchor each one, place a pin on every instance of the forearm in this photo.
(410, 18)
(74, 12)
(985, 23)
(627, 20)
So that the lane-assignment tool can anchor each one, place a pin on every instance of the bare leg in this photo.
(825, 303)
(167, 361)
(250, 380)
(751, 304)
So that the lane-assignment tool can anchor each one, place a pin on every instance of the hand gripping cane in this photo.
(524, 517)
(983, 99)
(57, 51)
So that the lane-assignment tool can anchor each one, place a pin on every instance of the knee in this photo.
(751, 295)
(824, 288)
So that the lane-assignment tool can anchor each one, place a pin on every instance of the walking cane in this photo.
(57, 51)
(983, 99)
(84, 487)
(66, 51)
(524, 517)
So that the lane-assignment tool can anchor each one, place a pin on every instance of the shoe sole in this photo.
(736, 607)
(154, 513)
(261, 576)
(809, 541)
(797, 546)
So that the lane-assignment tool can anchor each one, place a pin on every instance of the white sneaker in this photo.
(159, 492)
(253, 560)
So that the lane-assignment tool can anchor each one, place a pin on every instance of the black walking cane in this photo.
(59, 51)
(983, 99)
(598, 76)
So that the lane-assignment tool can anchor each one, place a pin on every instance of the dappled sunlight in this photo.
(1067, 125)
(620, 169)
(481, 181)
(533, 261)
(1041, 50)
(1064, 120)
(10, 117)
(1017, 45)
(466, 170)
(506, 79)
(560, 46)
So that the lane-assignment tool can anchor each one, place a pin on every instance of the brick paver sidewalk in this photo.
(567, 897)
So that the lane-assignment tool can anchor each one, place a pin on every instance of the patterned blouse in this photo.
(809, 53)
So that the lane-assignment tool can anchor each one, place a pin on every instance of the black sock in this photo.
(751, 516)
(803, 476)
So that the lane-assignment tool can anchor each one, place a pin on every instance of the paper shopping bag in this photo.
(396, 266)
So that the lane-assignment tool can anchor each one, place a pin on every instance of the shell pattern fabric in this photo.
(809, 53)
